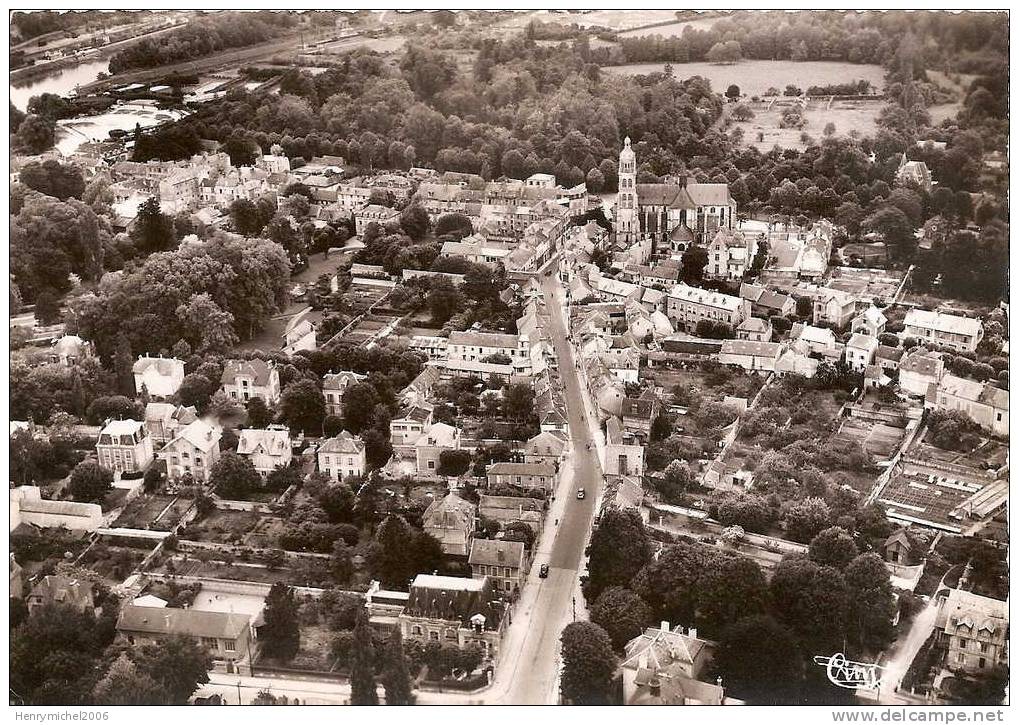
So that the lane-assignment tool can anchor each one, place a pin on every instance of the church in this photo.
(672, 214)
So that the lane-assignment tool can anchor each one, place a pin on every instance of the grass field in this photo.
(764, 131)
(754, 77)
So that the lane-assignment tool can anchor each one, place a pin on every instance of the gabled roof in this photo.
(440, 435)
(497, 552)
(200, 434)
(922, 362)
(63, 590)
(258, 370)
(860, 341)
(191, 622)
(973, 391)
(751, 347)
(416, 413)
(638, 407)
(343, 443)
(512, 503)
(340, 380)
(273, 441)
(450, 511)
(887, 352)
(754, 324)
(941, 322)
(506, 468)
(483, 339)
(546, 443)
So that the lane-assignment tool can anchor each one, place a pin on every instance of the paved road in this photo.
(531, 666)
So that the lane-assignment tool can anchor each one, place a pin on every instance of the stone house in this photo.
(451, 520)
(194, 450)
(458, 611)
(342, 456)
(246, 379)
(504, 562)
(266, 448)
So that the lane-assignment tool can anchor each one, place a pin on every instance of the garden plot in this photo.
(875, 284)
(157, 511)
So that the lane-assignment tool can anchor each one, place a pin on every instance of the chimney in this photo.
(665, 625)
(693, 632)
(655, 687)
(682, 179)
(501, 555)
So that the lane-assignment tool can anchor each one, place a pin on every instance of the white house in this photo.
(918, 369)
(860, 351)
(266, 448)
(750, 355)
(871, 322)
(342, 456)
(686, 306)
(730, 254)
(937, 328)
(160, 376)
(808, 340)
(124, 446)
(299, 334)
(334, 385)
(192, 451)
(246, 379)
(984, 403)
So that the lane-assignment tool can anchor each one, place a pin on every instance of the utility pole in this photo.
(239, 693)
(574, 609)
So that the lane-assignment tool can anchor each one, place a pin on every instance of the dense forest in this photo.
(201, 37)
(522, 109)
(25, 26)
(963, 42)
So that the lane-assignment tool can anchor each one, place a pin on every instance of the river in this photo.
(72, 132)
(62, 81)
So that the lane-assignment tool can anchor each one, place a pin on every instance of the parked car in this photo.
(543, 571)
(581, 493)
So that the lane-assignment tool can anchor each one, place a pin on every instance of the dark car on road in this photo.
(543, 571)
(581, 493)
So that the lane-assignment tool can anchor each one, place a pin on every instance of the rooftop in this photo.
(496, 552)
(165, 620)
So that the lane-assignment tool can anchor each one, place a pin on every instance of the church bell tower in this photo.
(627, 223)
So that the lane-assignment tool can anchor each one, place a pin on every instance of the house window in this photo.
(431, 464)
(210, 642)
(433, 636)
(416, 629)
(983, 646)
(229, 645)
(961, 658)
(982, 663)
(450, 634)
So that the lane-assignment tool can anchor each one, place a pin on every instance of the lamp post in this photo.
(239, 693)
